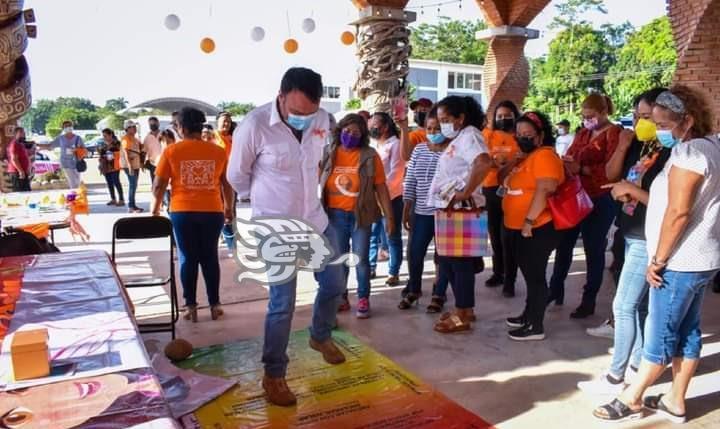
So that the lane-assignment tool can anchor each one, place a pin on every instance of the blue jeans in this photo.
(196, 236)
(460, 272)
(594, 230)
(346, 231)
(133, 180)
(672, 328)
(421, 234)
(229, 236)
(281, 307)
(395, 239)
(630, 308)
(378, 240)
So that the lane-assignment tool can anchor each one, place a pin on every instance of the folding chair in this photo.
(150, 227)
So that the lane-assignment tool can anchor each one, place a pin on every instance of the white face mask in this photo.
(561, 131)
(448, 130)
(67, 130)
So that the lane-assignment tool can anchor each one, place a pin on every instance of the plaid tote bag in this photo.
(461, 233)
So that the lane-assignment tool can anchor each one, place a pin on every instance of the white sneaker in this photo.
(606, 330)
(601, 386)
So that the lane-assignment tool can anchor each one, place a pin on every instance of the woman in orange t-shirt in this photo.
(196, 171)
(501, 143)
(353, 182)
(531, 235)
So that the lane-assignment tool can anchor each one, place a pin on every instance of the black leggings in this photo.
(504, 261)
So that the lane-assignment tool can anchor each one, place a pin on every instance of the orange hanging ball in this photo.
(347, 38)
(291, 46)
(207, 45)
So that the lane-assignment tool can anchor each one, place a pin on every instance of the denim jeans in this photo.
(281, 307)
(421, 234)
(378, 240)
(228, 234)
(113, 182)
(196, 236)
(630, 308)
(672, 328)
(346, 231)
(395, 243)
(594, 230)
(461, 274)
(133, 180)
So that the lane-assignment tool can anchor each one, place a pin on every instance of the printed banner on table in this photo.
(369, 391)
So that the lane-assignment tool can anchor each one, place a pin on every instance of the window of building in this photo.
(471, 81)
(331, 92)
(423, 77)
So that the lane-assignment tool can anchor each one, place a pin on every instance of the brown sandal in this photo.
(471, 317)
(451, 324)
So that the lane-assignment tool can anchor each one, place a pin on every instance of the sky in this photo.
(102, 49)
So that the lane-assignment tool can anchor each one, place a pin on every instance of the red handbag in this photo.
(570, 204)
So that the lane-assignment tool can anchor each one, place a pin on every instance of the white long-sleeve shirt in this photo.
(393, 164)
(279, 173)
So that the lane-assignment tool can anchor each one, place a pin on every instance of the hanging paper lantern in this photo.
(347, 38)
(172, 22)
(291, 46)
(257, 34)
(207, 45)
(308, 25)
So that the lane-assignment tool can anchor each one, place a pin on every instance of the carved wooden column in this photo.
(15, 96)
(383, 47)
(506, 72)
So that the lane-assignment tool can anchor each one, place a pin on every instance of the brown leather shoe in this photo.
(329, 350)
(278, 392)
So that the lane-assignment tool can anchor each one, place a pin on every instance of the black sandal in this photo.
(656, 404)
(408, 301)
(618, 412)
(436, 304)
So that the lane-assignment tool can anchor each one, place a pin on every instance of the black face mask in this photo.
(154, 127)
(375, 133)
(420, 119)
(526, 144)
(505, 124)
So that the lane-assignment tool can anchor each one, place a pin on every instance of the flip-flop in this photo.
(617, 412)
(656, 404)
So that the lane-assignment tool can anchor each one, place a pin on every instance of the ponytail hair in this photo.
(387, 120)
(456, 105)
(599, 102)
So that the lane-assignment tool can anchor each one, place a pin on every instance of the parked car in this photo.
(92, 146)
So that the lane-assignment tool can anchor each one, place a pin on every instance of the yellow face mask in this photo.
(645, 130)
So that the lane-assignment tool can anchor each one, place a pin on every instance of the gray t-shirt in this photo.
(698, 249)
(67, 149)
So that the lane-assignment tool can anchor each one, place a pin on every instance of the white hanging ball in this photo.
(308, 25)
(172, 22)
(257, 34)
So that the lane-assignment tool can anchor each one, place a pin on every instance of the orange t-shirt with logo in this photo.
(224, 142)
(194, 169)
(343, 184)
(502, 147)
(542, 163)
(417, 136)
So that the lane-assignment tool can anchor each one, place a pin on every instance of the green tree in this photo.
(570, 12)
(235, 108)
(646, 60)
(38, 115)
(82, 119)
(576, 64)
(116, 104)
(353, 104)
(449, 40)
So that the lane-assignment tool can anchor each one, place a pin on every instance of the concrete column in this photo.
(697, 40)
(506, 72)
(383, 47)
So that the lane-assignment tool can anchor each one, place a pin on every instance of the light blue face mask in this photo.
(666, 138)
(438, 138)
(299, 122)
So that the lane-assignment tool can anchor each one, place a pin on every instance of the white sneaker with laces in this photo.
(606, 330)
(602, 385)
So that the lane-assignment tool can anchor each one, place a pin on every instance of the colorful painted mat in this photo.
(369, 391)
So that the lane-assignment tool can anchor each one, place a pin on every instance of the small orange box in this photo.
(29, 351)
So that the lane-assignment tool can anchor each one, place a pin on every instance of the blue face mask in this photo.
(436, 138)
(298, 122)
(666, 138)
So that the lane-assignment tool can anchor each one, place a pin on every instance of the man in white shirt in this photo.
(276, 153)
(152, 146)
(565, 138)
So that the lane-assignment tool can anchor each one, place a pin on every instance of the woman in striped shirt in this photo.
(418, 216)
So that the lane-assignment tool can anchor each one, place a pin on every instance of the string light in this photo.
(436, 4)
